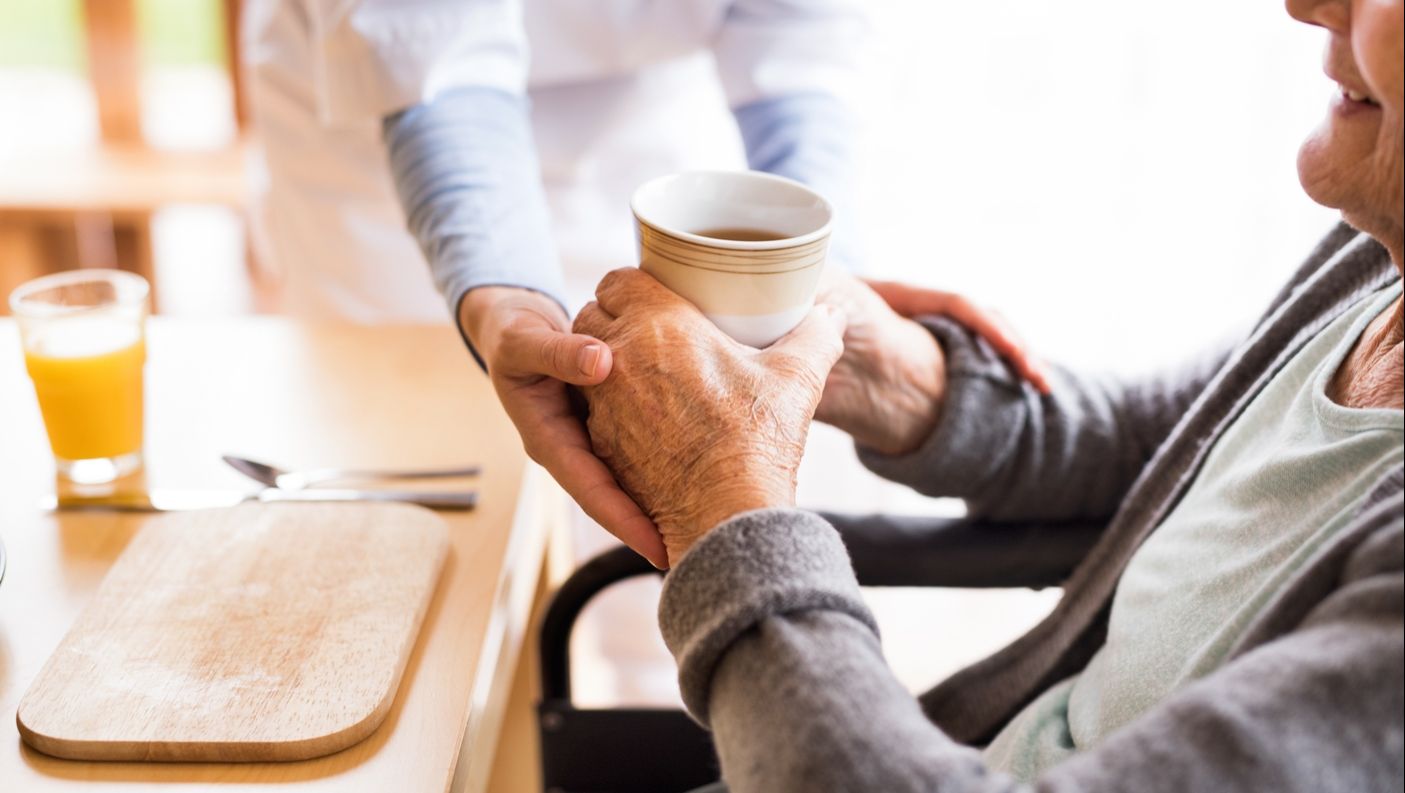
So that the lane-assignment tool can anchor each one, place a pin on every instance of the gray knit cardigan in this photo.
(778, 654)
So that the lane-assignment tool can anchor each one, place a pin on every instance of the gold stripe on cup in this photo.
(794, 257)
(733, 282)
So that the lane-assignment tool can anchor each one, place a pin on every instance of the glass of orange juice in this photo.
(84, 337)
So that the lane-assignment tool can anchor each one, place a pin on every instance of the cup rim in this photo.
(735, 245)
(125, 280)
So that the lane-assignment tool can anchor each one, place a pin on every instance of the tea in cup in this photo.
(746, 248)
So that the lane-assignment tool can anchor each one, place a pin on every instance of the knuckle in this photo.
(593, 321)
(586, 319)
(553, 351)
(533, 450)
(614, 280)
(542, 452)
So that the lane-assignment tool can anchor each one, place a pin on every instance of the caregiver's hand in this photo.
(697, 427)
(886, 391)
(531, 353)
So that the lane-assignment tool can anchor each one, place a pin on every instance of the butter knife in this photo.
(165, 500)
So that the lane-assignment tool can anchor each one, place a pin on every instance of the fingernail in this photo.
(590, 359)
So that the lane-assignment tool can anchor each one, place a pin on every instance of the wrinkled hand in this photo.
(915, 301)
(696, 426)
(525, 339)
(887, 389)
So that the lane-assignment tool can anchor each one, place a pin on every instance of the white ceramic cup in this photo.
(756, 291)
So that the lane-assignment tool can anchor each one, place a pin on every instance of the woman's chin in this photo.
(1334, 161)
(1315, 172)
(1347, 161)
(1337, 172)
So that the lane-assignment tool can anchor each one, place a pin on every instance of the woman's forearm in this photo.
(813, 139)
(1015, 454)
(792, 72)
(466, 170)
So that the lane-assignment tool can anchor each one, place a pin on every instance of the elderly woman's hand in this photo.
(886, 391)
(695, 426)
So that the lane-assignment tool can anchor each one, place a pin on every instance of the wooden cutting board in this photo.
(256, 633)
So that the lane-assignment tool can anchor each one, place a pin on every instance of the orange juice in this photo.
(87, 373)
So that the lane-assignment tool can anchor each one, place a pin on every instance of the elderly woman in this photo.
(1237, 626)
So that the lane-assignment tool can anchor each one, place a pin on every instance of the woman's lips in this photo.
(1350, 102)
(1355, 95)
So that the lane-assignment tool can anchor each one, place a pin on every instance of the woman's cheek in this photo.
(1378, 42)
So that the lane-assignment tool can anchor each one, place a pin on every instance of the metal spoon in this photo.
(273, 476)
(161, 500)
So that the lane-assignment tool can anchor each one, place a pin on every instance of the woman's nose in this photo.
(1335, 15)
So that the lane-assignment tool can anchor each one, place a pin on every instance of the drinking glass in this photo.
(84, 337)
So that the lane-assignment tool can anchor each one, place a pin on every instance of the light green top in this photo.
(1278, 484)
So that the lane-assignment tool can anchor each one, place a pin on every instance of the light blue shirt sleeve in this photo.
(810, 138)
(465, 167)
(792, 71)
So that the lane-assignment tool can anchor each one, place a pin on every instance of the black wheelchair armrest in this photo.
(890, 550)
(615, 750)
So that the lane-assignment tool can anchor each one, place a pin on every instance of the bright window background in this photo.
(1118, 178)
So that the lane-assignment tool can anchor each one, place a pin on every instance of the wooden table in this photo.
(298, 395)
